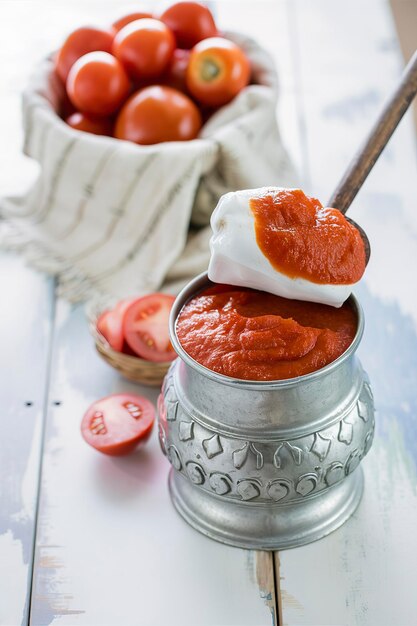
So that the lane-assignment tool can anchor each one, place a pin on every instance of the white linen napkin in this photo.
(111, 217)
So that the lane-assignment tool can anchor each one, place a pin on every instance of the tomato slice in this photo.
(110, 325)
(128, 350)
(145, 327)
(115, 425)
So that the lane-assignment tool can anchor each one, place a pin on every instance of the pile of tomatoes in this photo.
(150, 80)
(139, 327)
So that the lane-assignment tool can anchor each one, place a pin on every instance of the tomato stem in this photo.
(209, 70)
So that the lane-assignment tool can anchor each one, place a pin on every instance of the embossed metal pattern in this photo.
(278, 470)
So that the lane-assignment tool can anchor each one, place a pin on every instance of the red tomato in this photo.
(128, 350)
(156, 114)
(89, 124)
(66, 108)
(177, 70)
(78, 43)
(144, 47)
(207, 112)
(97, 84)
(145, 327)
(190, 22)
(127, 19)
(218, 69)
(110, 325)
(117, 424)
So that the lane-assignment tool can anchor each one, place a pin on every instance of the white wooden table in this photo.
(90, 540)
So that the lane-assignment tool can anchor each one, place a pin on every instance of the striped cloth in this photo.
(109, 217)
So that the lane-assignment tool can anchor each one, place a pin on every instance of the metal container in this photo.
(265, 465)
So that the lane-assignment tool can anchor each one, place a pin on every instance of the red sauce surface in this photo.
(254, 335)
(302, 239)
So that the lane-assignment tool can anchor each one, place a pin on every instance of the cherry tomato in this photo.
(218, 69)
(117, 424)
(78, 43)
(110, 324)
(97, 84)
(89, 124)
(190, 22)
(144, 47)
(145, 327)
(156, 114)
(177, 69)
(127, 19)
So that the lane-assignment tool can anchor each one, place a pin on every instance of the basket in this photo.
(150, 194)
(133, 368)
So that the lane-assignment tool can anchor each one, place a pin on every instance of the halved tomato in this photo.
(110, 325)
(145, 327)
(115, 425)
(128, 350)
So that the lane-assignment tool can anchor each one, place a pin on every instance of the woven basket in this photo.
(133, 368)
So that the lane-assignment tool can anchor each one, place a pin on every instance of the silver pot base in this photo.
(266, 526)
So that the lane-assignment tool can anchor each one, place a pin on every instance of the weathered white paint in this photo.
(25, 314)
(110, 548)
(26, 486)
(16, 548)
(392, 277)
(245, 587)
(363, 574)
(14, 577)
(62, 552)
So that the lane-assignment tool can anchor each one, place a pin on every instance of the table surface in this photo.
(90, 540)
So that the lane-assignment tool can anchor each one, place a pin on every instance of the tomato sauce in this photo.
(254, 335)
(302, 239)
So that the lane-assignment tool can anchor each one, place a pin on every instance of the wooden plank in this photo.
(405, 17)
(110, 549)
(25, 330)
(108, 524)
(363, 573)
(19, 171)
(26, 315)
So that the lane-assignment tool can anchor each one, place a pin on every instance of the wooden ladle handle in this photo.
(377, 139)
